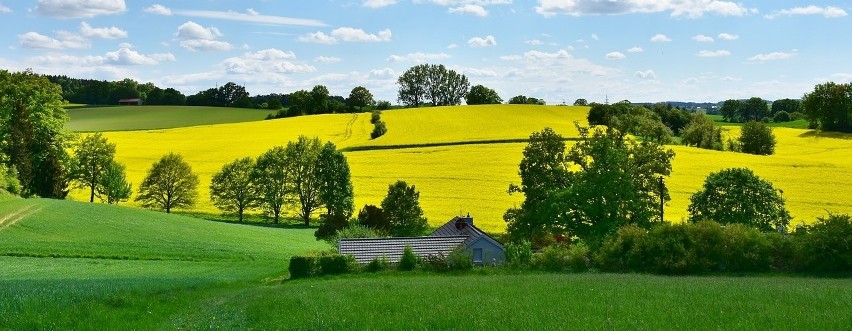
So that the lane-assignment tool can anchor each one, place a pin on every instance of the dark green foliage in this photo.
(378, 264)
(460, 259)
(302, 266)
(757, 138)
(737, 195)
(701, 132)
(731, 110)
(374, 218)
(379, 129)
(9, 179)
(551, 258)
(232, 188)
(329, 225)
(434, 85)
(581, 102)
(599, 114)
(301, 166)
(91, 158)
(518, 254)
(524, 100)
(113, 187)
(827, 245)
(481, 95)
(383, 105)
(335, 182)
(375, 116)
(321, 263)
(229, 95)
(408, 261)
(360, 97)
(829, 106)
(271, 180)
(352, 231)
(336, 264)
(642, 123)
(401, 207)
(745, 249)
(435, 263)
(781, 117)
(623, 251)
(673, 118)
(169, 184)
(32, 133)
(786, 105)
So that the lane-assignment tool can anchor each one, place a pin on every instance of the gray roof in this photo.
(468, 230)
(366, 249)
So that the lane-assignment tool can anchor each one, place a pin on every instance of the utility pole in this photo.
(662, 199)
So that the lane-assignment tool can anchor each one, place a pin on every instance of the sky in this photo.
(557, 50)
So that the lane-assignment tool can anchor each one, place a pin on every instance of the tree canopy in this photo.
(93, 155)
(433, 85)
(113, 186)
(401, 208)
(737, 195)
(335, 182)
(757, 138)
(169, 184)
(481, 95)
(360, 97)
(272, 181)
(300, 164)
(232, 188)
(829, 106)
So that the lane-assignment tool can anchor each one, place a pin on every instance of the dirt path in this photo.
(16, 216)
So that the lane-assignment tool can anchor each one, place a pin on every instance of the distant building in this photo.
(458, 232)
(130, 102)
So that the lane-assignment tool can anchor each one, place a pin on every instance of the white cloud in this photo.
(124, 56)
(660, 38)
(691, 81)
(482, 42)
(205, 45)
(842, 77)
(615, 56)
(192, 30)
(828, 12)
(728, 36)
(159, 10)
(327, 59)
(251, 11)
(378, 3)
(268, 61)
(677, 8)
(5, 10)
(647, 74)
(772, 56)
(595, 36)
(127, 56)
(719, 53)
(163, 57)
(246, 17)
(317, 37)
(469, 9)
(636, 49)
(79, 8)
(104, 33)
(537, 55)
(702, 38)
(358, 35)
(384, 72)
(64, 40)
(418, 57)
(534, 42)
(451, 46)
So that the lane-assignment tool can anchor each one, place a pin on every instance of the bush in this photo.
(795, 116)
(352, 231)
(378, 264)
(408, 261)
(374, 218)
(460, 259)
(302, 266)
(781, 116)
(436, 263)
(737, 195)
(757, 138)
(375, 116)
(827, 245)
(624, 251)
(518, 254)
(336, 264)
(745, 250)
(383, 105)
(321, 263)
(9, 179)
(329, 226)
(378, 130)
(578, 259)
(551, 258)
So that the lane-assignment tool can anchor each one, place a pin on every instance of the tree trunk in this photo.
(92, 195)
(241, 214)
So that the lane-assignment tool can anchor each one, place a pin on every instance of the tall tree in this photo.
(92, 158)
(272, 181)
(232, 188)
(701, 132)
(169, 184)
(401, 208)
(360, 97)
(829, 106)
(319, 99)
(112, 185)
(481, 95)
(737, 195)
(335, 182)
(431, 84)
(786, 105)
(32, 133)
(412, 86)
(581, 102)
(731, 110)
(754, 109)
(301, 163)
(757, 138)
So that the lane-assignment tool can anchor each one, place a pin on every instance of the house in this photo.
(130, 102)
(458, 232)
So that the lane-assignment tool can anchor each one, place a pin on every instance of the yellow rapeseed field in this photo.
(808, 167)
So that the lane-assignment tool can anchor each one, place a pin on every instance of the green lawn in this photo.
(797, 124)
(123, 118)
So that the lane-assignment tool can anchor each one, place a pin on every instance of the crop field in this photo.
(473, 177)
(121, 118)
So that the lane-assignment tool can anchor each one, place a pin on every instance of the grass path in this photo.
(16, 216)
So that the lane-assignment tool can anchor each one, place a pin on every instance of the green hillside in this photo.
(122, 118)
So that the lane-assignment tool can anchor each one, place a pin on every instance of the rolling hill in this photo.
(121, 118)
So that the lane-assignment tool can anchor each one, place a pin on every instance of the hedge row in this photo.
(321, 263)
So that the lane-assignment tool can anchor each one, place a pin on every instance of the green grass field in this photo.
(797, 124)
(124, 118)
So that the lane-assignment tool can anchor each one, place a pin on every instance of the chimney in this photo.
(467, 219)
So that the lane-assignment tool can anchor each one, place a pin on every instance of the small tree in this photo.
(232, 189)
(402, 209)
(374, 218)
(360, 97)
(113, 186)
(581, 102)
(701, 132)
(92, 157)
(335, 182)
(379, 129)
(271, 180)
(757, 138)
(737, 195)
(481, 95)
(301, 163)
(169, 184)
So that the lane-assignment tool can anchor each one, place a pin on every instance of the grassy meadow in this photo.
(120, 118)
(473, 177)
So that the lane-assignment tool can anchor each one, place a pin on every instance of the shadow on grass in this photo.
(826, 134)
(253, 220)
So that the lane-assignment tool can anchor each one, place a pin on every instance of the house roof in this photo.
(366, 249)
(130, 100)
(455, 228)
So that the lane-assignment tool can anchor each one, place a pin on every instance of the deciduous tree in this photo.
(93, 155)
(272, 181)
(301, 163)
(481, 95)
(232, 188)
(402, 209)
(169, 184)
(335, 182)
(113, 186)
(829, 106)
(360, 97)
(757, 138)
(737, 195)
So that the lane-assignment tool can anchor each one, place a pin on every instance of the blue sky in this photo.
(639, 50)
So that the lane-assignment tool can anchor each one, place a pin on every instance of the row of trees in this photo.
(101, 92)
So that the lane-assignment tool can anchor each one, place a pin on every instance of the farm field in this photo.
(473, 178)
(121, 118)
(797, 124)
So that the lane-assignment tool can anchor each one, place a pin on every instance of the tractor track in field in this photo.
(348, 132)
(16, 216)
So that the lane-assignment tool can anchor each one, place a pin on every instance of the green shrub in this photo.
(518, 254)
(781, 116)
(379, 129)
(667, 249)
(757, 138)
(302, 266)
(706, 239)
(375, 116)
(460, 259)
(336, 264)
(624, 251)
(378, 264)
(435, 262)
(551, 258)
(329, 225)
(577, 259)
(795, 116)
(827, 245)
(408, 261)
(782, 251)
(745, 250)
(352, 231)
